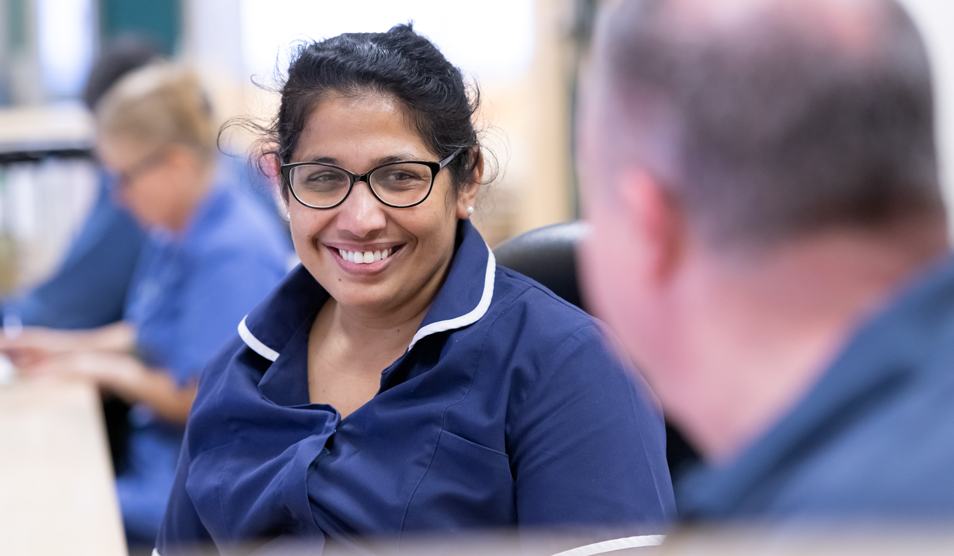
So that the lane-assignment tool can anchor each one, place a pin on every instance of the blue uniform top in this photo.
(506, 410)
(90, 286)
(189, 291)
(872, 440)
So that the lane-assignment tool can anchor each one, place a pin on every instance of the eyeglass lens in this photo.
(399, 184)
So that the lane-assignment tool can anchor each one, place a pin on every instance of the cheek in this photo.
(304, 226)
(436, 223)
(452, 199)
(140, 200)
(297, 237)
(435, 231)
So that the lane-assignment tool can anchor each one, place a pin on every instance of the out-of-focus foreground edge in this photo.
(607, 546)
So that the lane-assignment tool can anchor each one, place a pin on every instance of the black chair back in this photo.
(548, 255)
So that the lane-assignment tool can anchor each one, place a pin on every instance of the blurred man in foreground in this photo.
(770, 242)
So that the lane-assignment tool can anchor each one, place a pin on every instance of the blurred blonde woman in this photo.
(211, 256)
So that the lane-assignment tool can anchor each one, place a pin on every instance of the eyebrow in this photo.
(399, 157)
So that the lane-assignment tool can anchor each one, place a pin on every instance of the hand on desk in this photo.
(33, 345)
(103, 357)
(109, 371)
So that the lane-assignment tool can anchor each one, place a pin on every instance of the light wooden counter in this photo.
(57, 491)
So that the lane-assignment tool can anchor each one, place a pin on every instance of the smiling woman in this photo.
(398, 381)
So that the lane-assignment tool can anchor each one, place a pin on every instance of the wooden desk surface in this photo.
(57, 491)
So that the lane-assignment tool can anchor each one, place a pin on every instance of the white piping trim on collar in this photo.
(254, 343)
(433, 328)
(469, 318)
(614, 545)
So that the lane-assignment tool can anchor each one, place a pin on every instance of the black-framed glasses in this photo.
(397, 184)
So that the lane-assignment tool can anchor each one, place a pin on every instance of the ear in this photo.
(656, 219)
(273, 167)
(467, 196)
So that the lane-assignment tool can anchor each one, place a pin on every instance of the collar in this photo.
(891, 350)
(462, 300)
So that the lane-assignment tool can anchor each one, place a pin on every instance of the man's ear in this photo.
(657, 219)
(467, 196)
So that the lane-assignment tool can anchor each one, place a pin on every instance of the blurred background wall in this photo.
(936, 20)
(523, 54)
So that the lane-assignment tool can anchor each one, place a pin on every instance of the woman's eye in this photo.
(401, 178)
(321, 179)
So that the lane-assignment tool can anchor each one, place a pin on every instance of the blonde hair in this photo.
(158, 105)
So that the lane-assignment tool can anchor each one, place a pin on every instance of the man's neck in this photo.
(766, 327)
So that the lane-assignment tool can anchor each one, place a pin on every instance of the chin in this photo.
(364, 301)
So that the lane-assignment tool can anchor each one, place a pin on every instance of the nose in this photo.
(361, 213)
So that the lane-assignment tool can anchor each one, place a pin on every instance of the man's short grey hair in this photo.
(777, 127)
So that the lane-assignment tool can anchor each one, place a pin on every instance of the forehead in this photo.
(346, 127)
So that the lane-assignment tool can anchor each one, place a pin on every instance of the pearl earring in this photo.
(288, 215)
(470, 210)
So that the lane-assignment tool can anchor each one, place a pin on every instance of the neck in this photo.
(765, 328)
(391, 333)
(388, 328)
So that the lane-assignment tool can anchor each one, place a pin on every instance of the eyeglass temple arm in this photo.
(447, 160)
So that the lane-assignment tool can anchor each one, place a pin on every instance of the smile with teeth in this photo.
(365, 257)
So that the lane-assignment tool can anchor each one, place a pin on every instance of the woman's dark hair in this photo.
(400, 64)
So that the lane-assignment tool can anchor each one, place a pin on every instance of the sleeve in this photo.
(182, 530)
(587, 444)
(223, 289)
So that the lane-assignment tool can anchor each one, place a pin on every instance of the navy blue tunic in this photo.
(506, 410)
(872, 440)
